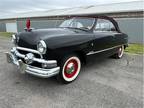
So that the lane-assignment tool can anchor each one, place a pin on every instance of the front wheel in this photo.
(70, 68)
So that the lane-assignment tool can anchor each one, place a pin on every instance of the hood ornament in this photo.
(28, 25)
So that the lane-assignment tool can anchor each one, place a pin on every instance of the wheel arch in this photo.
(126, 45)
(81, 55)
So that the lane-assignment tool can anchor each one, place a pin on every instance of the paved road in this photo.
(107, 83)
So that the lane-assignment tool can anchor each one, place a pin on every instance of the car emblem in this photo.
(29, 58)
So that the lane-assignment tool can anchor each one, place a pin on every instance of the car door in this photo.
(103, 34)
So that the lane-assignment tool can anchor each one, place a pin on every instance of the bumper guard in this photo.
(12, 57)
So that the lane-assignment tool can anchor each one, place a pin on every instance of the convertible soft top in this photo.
(99, 16)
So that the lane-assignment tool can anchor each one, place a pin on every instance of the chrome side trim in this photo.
(29, 50)
(95, 52)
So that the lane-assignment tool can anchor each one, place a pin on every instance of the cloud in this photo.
(18, 6)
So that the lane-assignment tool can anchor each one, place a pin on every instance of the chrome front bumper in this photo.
(13, 56)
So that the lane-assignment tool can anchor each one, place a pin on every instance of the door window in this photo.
(104, 25)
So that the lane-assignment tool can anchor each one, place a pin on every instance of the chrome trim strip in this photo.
(44, 61)
(29, 50)
(95, 52)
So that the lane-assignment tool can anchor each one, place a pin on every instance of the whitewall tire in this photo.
(119, 53)
(70, 69)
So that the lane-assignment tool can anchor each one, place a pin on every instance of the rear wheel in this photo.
(70, 68)
(119, 53)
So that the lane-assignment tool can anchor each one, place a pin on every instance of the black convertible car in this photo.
(61, 51)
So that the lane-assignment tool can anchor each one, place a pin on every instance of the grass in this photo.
(6, 34)
(135, 49)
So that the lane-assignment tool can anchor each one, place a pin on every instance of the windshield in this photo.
(80, 23)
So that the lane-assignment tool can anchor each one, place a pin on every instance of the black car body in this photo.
(45, 52)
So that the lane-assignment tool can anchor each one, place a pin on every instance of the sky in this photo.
(18, 6)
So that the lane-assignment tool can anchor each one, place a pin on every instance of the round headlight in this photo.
(13, 39)
(41, 47)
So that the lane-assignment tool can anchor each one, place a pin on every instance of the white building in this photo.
(129, 15)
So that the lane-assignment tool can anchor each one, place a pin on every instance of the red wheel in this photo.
(70, 69)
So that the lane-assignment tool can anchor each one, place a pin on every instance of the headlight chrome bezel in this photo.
(42, 47)
(13, 39)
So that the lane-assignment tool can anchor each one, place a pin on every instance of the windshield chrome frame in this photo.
(92, 26)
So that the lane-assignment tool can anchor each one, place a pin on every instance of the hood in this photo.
(52, 37)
